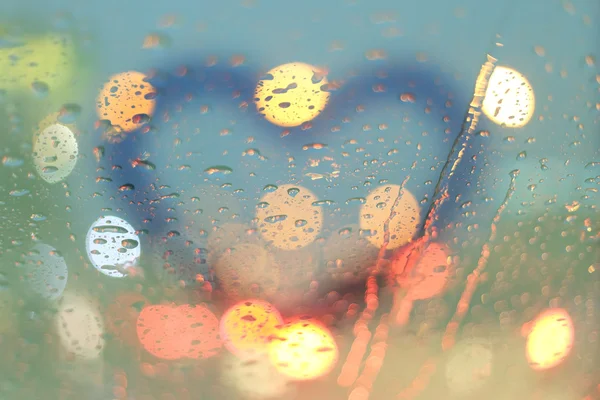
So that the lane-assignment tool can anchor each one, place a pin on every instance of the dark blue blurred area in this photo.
(376, 86)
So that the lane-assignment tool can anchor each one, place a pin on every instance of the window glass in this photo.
(294, 200)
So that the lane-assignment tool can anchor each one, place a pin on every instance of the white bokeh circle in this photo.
(469, 366)
(80, 327)
(55, 152)
(112, 246)
(253, 376)
(45, 271)
(509, 98)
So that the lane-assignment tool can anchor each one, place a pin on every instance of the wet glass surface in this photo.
(318, 200)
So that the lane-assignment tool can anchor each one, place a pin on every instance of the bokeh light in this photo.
(253, 376)
(429, 276)
(469, 366)
(421, 271)
(297, 267)
(246, 326)
(52, 119)
(509, 98)
(303, 349)
(55, 153)
(287, 218)
(393, 209)
(112, 246)
(126, 101)
(550, 339)
(45, 271)
(292, 94)
(80, 326)
(387, 202)
(175, 332)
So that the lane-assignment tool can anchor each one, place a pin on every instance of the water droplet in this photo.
(262, 204)
(345, 231)
(38, 217)
(140, 119)
(592, 164)
(408, 98)
(314, 146)
(138, 162)
(109, 229)
(12, 162)
(129, 243)
(157, 41)
(69, 113)
(218, 170)
(322, 203)
(126, 187)
(170, 196)
(99, 153)
(18, 193)
(359, 200)
(521, 156)
(293, 192)
(275, 218)
(41, 89)
(270, 188)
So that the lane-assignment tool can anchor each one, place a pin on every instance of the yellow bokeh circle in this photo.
(382, 207)
(509, 98)
(246, 326)
(303, 350)
(291, 94)
(550, 340)
(126, 101)
(287, 218)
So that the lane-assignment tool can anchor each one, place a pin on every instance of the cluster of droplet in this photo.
(274, 258)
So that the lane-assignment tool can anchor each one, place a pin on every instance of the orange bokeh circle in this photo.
(175, 332)
(246, 326)
(550, 339)
(303, 349)
(126, 100)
